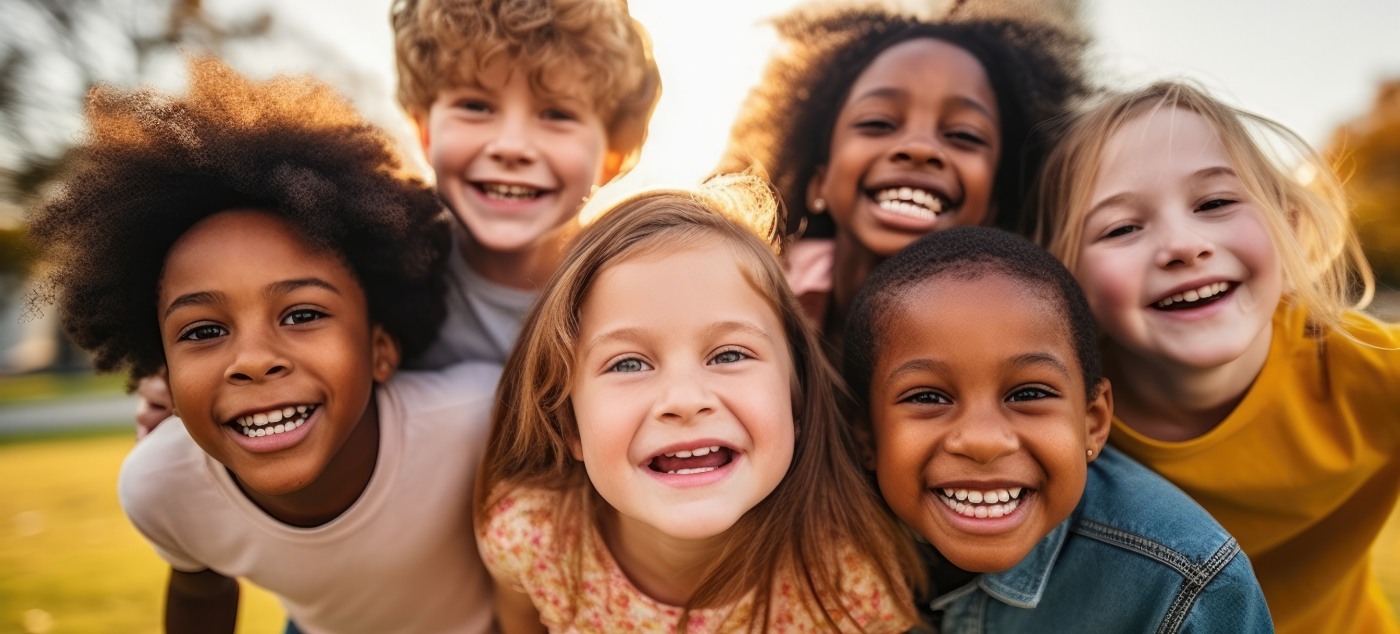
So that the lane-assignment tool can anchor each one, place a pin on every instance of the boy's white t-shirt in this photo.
(403, 558)
(483, 318)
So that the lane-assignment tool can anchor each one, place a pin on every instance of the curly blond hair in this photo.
(440, 43)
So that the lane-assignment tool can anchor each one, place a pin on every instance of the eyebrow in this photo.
(890, 92)
(1204, 173)
(274, 289)
(634, 334)
(919, 366)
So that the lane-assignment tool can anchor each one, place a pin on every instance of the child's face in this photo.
(514, 165)
(985, 400)
(914, 148)
(258, 327)
(1176, 261)
(679, 356)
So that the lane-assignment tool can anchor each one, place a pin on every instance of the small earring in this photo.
(819, 205)
(1089, 453)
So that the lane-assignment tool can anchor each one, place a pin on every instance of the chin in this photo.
(983, 559)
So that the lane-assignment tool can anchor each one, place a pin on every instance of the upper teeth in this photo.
(703, 451)
(993, 503)
(908, 201)
(274, 421)
(502, 190)
(1201, 293)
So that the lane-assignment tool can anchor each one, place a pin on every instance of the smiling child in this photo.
(878, 128)
(973, 358)
(259, 240)
(667, 455)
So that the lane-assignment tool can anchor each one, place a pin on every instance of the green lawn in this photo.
(69, 561)
(47, 386)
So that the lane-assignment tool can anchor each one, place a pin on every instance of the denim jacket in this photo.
(1136, 555)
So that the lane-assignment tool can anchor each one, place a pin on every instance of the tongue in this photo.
(712, 459)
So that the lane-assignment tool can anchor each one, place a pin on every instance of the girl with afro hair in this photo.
(877, 128)
(262, 242)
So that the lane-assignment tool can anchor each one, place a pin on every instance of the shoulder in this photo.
(518, 531)
(165, 461)
(464, 389)
(1127, 505)
(870, 603)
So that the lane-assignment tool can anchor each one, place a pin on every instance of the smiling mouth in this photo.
(1207, 294)
(273, 421)
(911, 201)
(510, 193)
(983, 504)
(699, 460)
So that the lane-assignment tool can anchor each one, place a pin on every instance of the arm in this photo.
(515, 613)
(155, 404)
(198, 602)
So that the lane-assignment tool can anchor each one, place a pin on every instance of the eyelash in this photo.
(1215, 203)
(616, 367)
(728, 351)
(193, 333)
(926, 398)
(289, 320)
(1038, 392)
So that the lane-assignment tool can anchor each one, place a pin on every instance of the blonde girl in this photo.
(1227, 287)
(667, 453)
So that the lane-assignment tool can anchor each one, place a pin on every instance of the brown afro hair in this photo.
(152, 165)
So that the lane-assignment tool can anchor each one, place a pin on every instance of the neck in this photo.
(851, 265)
(666, 568)
(525, 269)
(1172, 402)
(338, 486)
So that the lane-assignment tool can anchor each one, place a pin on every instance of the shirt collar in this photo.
(1023, 584)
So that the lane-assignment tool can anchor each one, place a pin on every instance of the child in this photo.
(877, 128)
(522, 108)
(1222, 283)
(258, 240)
(666, 454)
(988, 423)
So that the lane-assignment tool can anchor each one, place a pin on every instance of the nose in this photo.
(919, 148)
(256, 359)
(982, 436)
(1182, 245)
(684, 397)
(513, 145)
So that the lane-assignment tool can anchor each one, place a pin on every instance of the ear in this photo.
(575, 447)
(814, 187)
(420, 128)
(384, 354)
(1098, 418)
(612, 166)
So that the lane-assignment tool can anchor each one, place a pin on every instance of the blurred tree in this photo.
(1366, 152)
(52, 51)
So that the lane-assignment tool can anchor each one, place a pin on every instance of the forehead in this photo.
(257, 245)
(684, 282)
(1164, 136)
(562, 79)
(926, 64)
(966, 320)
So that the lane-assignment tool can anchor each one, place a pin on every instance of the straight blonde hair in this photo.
(824, 505)
(1304, 208)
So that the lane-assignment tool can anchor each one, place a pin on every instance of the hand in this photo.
(155, 405)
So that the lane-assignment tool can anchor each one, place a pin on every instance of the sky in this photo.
(1309, 64)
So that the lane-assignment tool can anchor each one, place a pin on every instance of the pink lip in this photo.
(274, 442)
(693, 480)
(480, 200)
(1198, 313)
(1191, 286)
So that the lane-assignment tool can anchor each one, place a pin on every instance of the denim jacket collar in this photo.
(1023, 584)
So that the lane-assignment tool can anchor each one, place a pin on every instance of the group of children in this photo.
(638, 425)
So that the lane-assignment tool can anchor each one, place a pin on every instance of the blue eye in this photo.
(729, 356)
(631, 364)
(1030, 393)
(202, 332)
(302, 316)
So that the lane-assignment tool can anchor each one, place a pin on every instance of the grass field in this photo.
(69, 561)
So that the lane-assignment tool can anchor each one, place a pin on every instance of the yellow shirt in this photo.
(1304, 472)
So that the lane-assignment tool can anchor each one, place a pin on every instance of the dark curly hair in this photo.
(152, 165)
(784, 129)
(966, 253)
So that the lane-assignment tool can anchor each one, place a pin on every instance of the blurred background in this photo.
(69, 562)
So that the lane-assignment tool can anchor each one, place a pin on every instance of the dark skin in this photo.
(206, 601)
